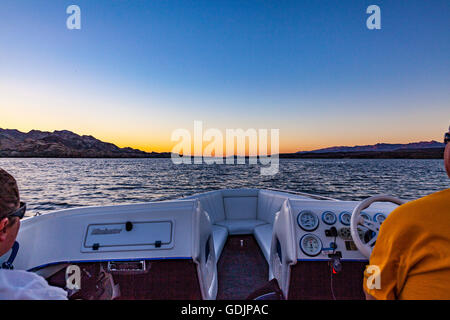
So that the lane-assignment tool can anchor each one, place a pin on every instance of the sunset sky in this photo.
(138, 70)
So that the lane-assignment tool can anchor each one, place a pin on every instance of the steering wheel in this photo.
(366, 248)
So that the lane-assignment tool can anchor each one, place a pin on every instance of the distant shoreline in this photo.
(430, 153)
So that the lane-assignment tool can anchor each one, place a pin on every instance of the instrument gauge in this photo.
(311, 245)
(379, 217)
(329, 217)
(308, 220)
(345, 218)
(365, 216)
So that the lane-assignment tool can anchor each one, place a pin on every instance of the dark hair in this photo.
(9, 194)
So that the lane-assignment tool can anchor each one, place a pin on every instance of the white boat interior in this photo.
(224, 244)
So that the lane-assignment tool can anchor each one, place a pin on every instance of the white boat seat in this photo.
(240, 226)
(212, 203)
(263, 235)
(220, 235)
(269, 203)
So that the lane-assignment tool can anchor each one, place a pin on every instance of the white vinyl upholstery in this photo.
(212, 203)
(240, 208)
(232, 193)
(283, 252)
(240, 226)
(263, 235)
(220, 235)
(242, 211)
(269, 203)
(203, 253)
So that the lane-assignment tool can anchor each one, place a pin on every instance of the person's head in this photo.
(447, 152)
(9, 206)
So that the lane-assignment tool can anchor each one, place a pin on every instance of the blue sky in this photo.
(137, 70)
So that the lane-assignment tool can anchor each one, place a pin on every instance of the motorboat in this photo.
(259, 244)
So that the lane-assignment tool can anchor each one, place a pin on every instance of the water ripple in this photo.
(51, 184)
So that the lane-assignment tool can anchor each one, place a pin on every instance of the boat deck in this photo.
(242, 268)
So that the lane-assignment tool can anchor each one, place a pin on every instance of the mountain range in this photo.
(65, 144)
(381, 147)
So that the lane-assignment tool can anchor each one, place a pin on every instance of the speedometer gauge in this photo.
(308, 220)
(329, 217)
(345, 218)
(379, 217)
(311, 245)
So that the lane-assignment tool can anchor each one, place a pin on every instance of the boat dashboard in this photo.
(323, 228)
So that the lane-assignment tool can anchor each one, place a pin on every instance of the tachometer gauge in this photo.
(311, 245)
(329, 217)
(345, 218)
(379, 217)
(308, 220)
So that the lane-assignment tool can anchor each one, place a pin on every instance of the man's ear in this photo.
(3, 224)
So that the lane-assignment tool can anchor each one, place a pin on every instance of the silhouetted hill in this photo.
(381, 147)
(63, 144)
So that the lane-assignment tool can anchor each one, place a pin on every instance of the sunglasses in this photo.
(447, 137)
(19, 212)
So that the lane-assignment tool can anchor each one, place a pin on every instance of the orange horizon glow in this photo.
(148, 126)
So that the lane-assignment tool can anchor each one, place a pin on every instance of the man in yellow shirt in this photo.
(412, 251)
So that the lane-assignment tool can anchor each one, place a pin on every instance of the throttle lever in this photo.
(335, 260)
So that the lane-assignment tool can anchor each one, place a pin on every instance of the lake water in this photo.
(50, 184)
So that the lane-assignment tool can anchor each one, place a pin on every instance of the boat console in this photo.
(324, 228)
(323, 261)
